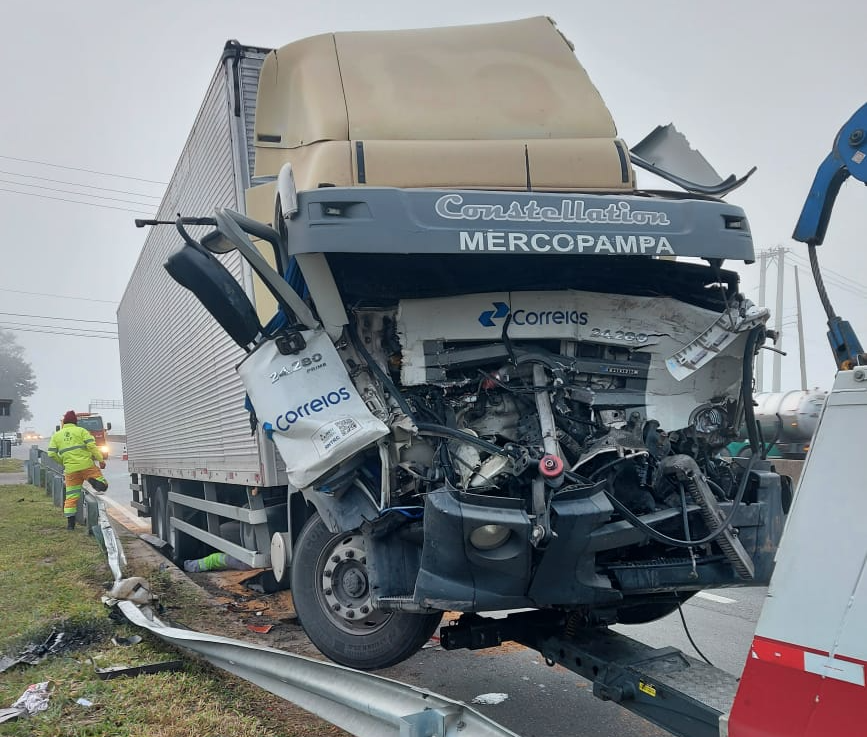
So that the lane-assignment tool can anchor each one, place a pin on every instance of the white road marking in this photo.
(714, 597)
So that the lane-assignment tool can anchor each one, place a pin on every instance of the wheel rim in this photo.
(343, 588)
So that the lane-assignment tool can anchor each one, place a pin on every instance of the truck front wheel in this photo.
(331, 593)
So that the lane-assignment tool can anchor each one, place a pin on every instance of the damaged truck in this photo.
(419, 343)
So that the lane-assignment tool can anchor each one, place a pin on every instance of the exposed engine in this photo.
(608, 406)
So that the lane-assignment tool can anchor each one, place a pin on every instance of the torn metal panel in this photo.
(117, 671)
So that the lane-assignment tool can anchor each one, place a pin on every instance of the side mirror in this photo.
(108, 426)
(217, 290)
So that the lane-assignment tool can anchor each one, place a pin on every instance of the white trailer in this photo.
(192, 455)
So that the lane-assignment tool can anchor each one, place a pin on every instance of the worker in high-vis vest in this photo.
(76, 449)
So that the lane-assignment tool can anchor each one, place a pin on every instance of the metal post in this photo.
(801, 355)
(760, 367)
(778, 318)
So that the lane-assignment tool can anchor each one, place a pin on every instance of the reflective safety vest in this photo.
(74, 447)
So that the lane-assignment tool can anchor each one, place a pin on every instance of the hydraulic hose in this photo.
(747, 389)
(820, 283)
(671, 541)
(441, 431)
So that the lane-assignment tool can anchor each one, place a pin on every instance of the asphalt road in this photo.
(541, 701)
(544, 701)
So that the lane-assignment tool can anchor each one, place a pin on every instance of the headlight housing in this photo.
(488, 537)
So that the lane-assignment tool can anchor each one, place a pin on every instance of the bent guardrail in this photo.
(361, 703)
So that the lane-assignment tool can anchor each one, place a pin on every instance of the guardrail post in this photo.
(57, 490)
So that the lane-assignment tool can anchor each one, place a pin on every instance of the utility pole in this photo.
(763, 267)
(800, 333)
(778, 318)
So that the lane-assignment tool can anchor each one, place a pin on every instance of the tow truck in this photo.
(806, 672)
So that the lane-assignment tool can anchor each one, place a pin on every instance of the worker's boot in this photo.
(70, 523)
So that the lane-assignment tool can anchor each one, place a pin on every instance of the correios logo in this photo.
(285, 421)
(501, 310)
(532, 317)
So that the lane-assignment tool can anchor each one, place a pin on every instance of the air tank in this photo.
(798, 411)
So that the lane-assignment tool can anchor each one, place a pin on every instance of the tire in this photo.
(160, 512)
(369, 640)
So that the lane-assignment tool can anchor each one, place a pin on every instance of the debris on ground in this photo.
(126, 641)
(433, 642)
(262, 629)
(117, 671)
(490, 698)
(135, 589)
(35, 652)
(154, 541)
(32, 701)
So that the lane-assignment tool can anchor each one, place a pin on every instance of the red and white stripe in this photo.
(807, 669)
(792, 691)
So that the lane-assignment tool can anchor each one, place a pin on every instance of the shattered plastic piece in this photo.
(262, 629)
(84, 702)
(490, 698)
(126, 641)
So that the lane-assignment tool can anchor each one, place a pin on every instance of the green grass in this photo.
(11, 465)
(51, 579)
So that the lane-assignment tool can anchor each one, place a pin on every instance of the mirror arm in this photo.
(260, 230)
(283, 293)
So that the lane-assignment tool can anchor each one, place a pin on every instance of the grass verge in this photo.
(11, 465)
(52, 580)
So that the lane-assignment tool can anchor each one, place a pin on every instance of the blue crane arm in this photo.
(848, 158)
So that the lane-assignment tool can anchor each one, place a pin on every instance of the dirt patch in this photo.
(217, 602)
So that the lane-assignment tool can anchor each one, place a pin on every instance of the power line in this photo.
(825, 270)
(58, 296)
(56, 332)
(77, 194)
(59, 327)
(75, 168)
(76, 202)
(54, 317)
(78, 184)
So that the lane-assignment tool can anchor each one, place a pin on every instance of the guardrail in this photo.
(361, 703)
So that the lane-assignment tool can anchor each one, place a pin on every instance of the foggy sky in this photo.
(115, 87)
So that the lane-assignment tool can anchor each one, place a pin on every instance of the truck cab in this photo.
(494, 371)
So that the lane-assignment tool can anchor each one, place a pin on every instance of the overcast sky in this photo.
(114, 87)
